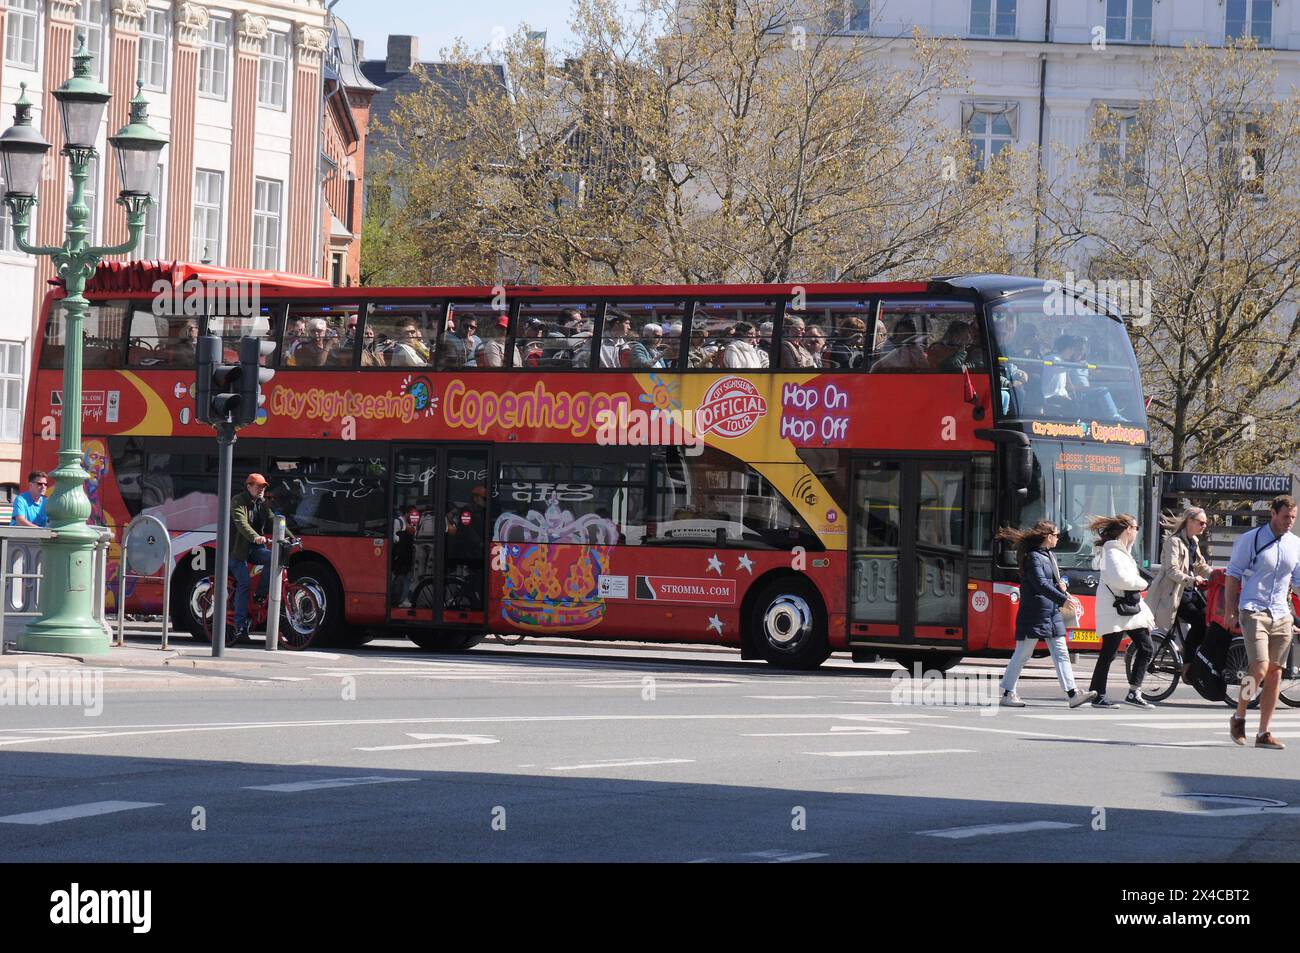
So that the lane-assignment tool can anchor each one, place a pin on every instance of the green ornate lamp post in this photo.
(67, 623)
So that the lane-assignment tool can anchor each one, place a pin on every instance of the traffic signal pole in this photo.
(227, 396)
(225, 467)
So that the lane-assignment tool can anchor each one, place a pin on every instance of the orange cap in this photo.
(256, 478)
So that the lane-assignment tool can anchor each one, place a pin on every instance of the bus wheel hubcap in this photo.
(787, 621)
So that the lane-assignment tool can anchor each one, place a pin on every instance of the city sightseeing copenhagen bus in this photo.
(791, 470)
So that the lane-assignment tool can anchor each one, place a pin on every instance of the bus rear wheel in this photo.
(788, 624)
(443, 640)
(929, 661)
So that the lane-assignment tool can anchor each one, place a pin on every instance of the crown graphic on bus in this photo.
(553, 566)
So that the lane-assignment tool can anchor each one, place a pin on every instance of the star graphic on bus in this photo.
(715, 623)
(715, 564)
(746, 564)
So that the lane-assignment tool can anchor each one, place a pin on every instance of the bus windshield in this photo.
(1060, 359)
(1075, 482)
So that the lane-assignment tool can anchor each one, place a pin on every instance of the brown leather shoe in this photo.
(1237, 729)
(1266, 740)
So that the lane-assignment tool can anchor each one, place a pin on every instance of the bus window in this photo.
(400, 335)
(833, 335)
(716, 500)
(232, 327)
(731, 334)
(320, 335)
(642, 335)
(475, 336)
(927, 336)
(161, 340)
(330, 495)
(554, 335)
(569, 495)
(103, 329)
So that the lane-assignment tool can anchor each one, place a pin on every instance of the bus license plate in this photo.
(1084, 635)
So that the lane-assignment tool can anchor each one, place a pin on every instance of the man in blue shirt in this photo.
(1264, 567)
(29, 507)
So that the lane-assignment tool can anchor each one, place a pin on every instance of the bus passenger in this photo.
(370, 356)
(408, 349)
(182, 351)
(317, 351)
(950, 353)
(458, 349)
(294, 338)
(846, 350)
(701, 353)
(492, 352)
(646, 352)
(793, 351)
(612, 342)
(909, 351)
(743, 351)
(815, 345)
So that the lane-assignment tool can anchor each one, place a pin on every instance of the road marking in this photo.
(437, 741)
(1151, 717)
(126, 731)
(880, 754)
(296, 786)
(287, 678)
(75, 811)
(986, 830)
(622, 764)
(785, 698)
(783, 856)
(837, 731)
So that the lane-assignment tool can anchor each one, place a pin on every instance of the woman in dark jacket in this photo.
(1042, 594)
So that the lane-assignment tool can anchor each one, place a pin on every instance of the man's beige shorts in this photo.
(1266, 637)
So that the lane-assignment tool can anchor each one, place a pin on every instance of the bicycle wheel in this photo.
(1290, 693)
(302, 613)
(1163, 673)
(203, 602)
(1236, 668)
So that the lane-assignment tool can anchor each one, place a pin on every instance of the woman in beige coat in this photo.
(1182, 564)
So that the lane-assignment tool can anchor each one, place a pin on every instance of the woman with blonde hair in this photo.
(1042, 594)
(1172, 595)
(1120, 609)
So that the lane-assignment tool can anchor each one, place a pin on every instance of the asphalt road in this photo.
(605, 753)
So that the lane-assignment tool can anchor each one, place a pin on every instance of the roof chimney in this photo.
(403, 53)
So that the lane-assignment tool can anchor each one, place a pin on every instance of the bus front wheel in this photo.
(788, 624)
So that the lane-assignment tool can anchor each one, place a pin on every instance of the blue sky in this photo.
(438, 23)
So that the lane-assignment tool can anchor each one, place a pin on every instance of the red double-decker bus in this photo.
(793, 470)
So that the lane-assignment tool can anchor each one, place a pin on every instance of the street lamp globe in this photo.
(82, 101)
(138, 146)
(22, 151)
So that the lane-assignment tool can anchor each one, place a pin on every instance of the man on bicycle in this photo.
(250, 532)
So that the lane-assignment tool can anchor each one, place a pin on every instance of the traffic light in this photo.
(251, 378)
(216, 394)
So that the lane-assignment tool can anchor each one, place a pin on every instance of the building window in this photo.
(993, 18)
(205, 243)
(1122, 161)
(349, 209)
(990, 128)
(272, 70)
(857, 16)
(151, 238)
(91, 199)
(153, 50)
(1253, 18)
(1242, 153)
(266, 224)
(1128, 21)
(339, 269)
(214, 52)
(90, 24)
(22, 28)
(11, 381)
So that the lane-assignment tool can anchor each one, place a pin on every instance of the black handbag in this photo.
(1130, 603)
(1192, 605)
